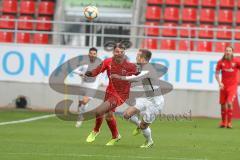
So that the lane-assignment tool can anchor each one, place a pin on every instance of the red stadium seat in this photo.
(152, 31)
(185, 45)
(46, 8)
(207, 15)
(171, 14)
(43, 25)
(189, 14)
(27, 7)
(167, 44)
(224, 34)
(238, 4)
(209, 3)
(25, 23)
(23, 37)
(204, 46)
(6, 23)
(153, 13)
(225, 16)
(6, 36)
(238, 17)
(173, 2)
(237, 47)
(193, 3)
(39, 38)
(226, 3)
(237, 33)
(220, 46)
(155, 2)
(187, 32)
(150, 43)
(9, 6)
(205, 32)
(169, 31)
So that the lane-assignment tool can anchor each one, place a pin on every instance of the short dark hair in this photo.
(146, 54)
(93, 49)
(119, 45)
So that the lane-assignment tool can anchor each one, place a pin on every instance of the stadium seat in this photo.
(9, 6)
(185, 45)
(237, 33)
(207, 15)
(220, 46)
(42, 25)
(171, 14)
(150, 43)
(209, 3)
(172, 2)
(153, 13)
(224, 34)
(23, 37)
(169, 31)
(152, 31)
(226, 3)
(5, 23)
(205, 32)
(189, 14)
(167, 44)
(225, 16)
(193, 3)
(6, 36)
(39, 38)
(186, 32)
(204, 46)
(154, 2)
(238, 17)
(46, 8)
(238, 4)
(27, 7)
(236, 47)
(25, 22)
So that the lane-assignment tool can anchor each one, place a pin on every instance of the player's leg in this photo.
(229, 105)
(82, 104)
(222, 101)
(112, 124)
(147, 133)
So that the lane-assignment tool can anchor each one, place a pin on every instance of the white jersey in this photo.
(152, 104)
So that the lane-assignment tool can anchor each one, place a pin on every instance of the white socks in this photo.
(147, 134)
(134, 119)
(81, 110)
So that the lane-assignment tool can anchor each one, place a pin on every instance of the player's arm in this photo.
(217, 76)
(101, 68)
(133, 78)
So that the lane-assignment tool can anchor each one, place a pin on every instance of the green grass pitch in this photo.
(51, 138)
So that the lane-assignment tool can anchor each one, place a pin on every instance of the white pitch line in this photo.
(26, 120)
(105, 156)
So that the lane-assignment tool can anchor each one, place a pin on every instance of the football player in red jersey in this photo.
(229, 67)
(117, 91)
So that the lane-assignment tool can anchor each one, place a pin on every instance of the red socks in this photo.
(98, 123)
(229, 115)
(224, 116)
(112, 124)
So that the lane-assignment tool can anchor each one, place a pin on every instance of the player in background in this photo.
(89, 82)
(229, 67)
(117, 91)
(148, 107)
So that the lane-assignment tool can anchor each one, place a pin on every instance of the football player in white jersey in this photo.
(88, 82)
(150, 106)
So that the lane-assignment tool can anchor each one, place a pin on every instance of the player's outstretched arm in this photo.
(101, 68)
(132, 78)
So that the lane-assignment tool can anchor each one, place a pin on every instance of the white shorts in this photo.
(89, 93)
(150, 108)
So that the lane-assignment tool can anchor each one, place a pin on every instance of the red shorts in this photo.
(227, 95)
(114, 100)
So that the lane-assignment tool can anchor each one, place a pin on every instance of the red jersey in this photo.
(229, 71)
(116, 88)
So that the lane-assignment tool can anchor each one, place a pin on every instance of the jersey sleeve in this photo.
(100, 69)
(219, 66)
(139, 77)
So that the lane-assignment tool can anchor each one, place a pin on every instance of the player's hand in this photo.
(221, 85)
(115, 76)
(88, 73)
